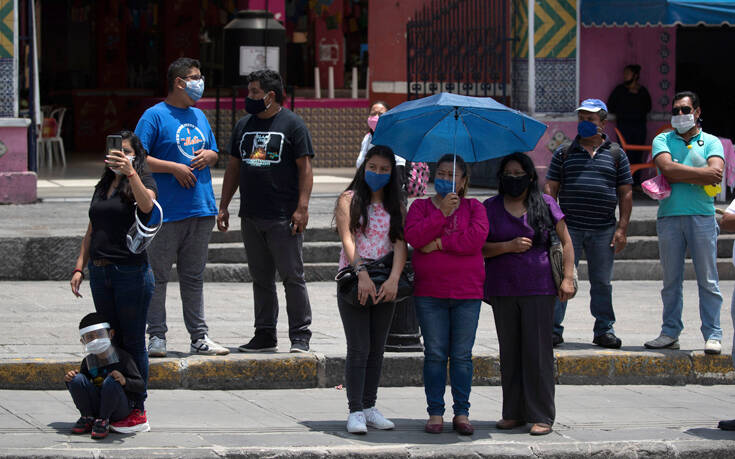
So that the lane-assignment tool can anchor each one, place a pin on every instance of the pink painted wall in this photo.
(277, 7)
(17, 185)
(604, 51)
(16, 140)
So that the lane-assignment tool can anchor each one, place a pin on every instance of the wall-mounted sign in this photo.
(254, 58)
(3, 149)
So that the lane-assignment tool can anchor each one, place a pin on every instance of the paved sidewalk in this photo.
(612, 421)
(40, 340)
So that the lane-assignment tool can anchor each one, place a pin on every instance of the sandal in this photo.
(540, 429)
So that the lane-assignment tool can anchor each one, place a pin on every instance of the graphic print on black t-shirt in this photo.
(189, 139)
(261, 149)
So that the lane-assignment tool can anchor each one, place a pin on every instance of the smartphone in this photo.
(114, 142)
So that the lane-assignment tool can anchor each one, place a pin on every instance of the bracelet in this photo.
(128, 176)
(78, 271)
(360, 267)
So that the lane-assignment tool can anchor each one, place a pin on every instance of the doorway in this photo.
(704, 65)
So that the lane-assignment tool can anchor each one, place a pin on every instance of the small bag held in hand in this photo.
(379, 271)
(556, 258)
(657, 188)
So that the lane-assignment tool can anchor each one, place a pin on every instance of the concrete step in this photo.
(313, 252)
(646, 247)
(651, 270)
(623, 270)
(238, 371)
(325, 234)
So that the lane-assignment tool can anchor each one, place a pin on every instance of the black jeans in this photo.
(106, 402)
(270, 247)
(366, 330)
(526, 356)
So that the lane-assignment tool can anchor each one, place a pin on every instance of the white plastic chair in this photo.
(47, 145)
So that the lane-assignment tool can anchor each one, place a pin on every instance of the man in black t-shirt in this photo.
(271, 164)
(630, 102)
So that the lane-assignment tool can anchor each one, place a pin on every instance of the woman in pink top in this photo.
(447, 232)
(369, 216)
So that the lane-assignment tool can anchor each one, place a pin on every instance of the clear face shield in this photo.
(97, 345)
(139, 236)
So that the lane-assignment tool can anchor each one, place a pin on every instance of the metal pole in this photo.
(531, 59)
(32, 141)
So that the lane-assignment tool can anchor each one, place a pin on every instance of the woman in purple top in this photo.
(520, 287)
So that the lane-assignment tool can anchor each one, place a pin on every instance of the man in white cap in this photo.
(591, 177)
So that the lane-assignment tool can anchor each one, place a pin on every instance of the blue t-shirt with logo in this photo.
(174, 134)
(687, 198)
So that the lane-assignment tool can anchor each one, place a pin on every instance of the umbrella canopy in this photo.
(475, 128)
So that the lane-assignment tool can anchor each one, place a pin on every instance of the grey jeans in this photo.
(184, 242)
(270, 247)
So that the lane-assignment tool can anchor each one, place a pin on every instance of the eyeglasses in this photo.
(193, 77)
(685, 110)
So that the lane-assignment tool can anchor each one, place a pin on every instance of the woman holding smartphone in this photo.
(121, 281)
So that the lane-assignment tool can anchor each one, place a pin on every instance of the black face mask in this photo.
(515, 186)
(254, 106)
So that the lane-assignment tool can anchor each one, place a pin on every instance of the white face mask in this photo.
(98, 346)
(683, 123)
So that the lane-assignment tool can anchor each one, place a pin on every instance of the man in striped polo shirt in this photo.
(591, 177)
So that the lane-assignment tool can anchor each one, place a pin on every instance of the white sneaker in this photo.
(712, 346)
(376, 420)
(156, 347)
(206, 346)
(356, 423)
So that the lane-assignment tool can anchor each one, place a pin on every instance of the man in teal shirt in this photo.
(691, 160)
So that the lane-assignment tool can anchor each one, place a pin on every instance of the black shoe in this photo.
(83, 425)
(261, 342)
(556, 339)
(608, 340)
(726, 425)
(100, 429)
(299, 346)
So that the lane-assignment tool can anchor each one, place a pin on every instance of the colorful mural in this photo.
(555, 28)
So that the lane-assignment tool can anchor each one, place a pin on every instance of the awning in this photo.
(642, 13)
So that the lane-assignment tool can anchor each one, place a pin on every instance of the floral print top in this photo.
(375, 241)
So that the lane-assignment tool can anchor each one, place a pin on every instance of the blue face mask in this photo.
(443, 187)
(195, 89)
(376, 181)
(586, 129)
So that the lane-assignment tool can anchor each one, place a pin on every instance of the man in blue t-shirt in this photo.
(692, 162)
(591, 177)
(181, 148)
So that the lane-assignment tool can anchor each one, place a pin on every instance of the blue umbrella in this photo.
(475, 128)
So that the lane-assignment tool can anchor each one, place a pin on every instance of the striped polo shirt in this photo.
(588, 192)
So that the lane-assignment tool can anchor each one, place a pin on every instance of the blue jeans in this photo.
(699, 234)
(106, 402)
(122, 293)
(600, 257)
(448, 327)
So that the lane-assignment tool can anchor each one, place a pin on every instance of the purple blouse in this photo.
(518, 274)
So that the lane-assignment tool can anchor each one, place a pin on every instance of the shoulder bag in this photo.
(379, 271)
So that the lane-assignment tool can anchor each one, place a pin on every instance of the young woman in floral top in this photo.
(369, 217)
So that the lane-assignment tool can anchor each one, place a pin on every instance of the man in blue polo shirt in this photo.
(181, 148)
(591, 178)
(691, 160)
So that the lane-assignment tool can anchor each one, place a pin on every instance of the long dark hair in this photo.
(537, 211)
(108, 176)
(391, 196)
(459, 163)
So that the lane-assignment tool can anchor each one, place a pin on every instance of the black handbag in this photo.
(379, 271)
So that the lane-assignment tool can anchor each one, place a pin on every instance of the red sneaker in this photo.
(135, 422)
